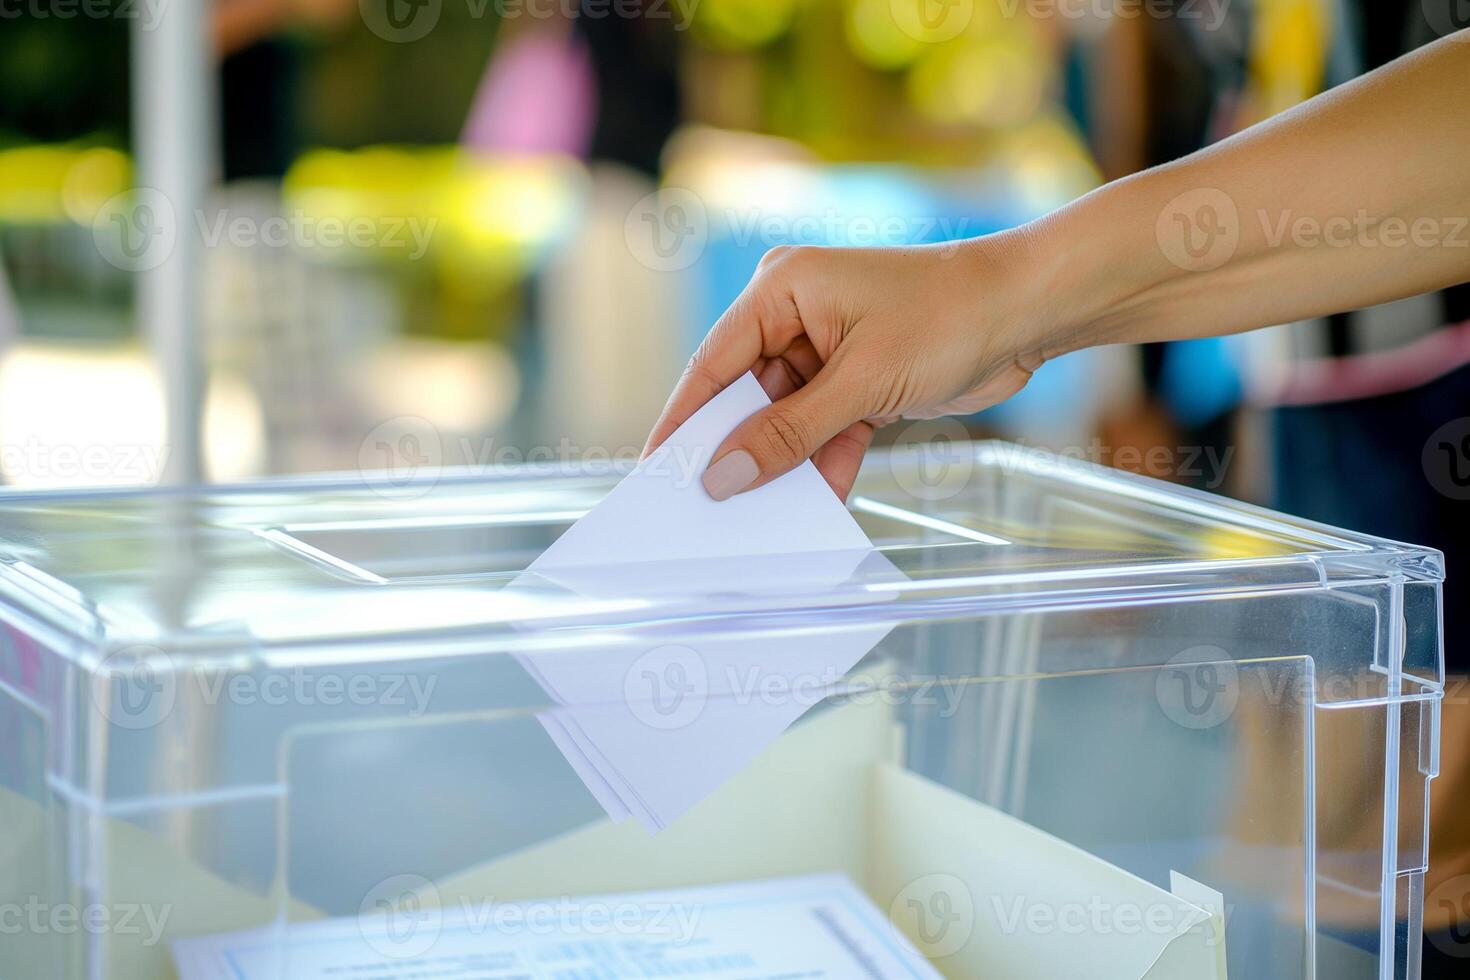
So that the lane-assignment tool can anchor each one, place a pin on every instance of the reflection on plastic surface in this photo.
(812, 926)
(652, 728)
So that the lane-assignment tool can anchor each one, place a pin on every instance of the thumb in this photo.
(782, 436)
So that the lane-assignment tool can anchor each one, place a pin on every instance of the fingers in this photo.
(762, 322)
(841, 458)
(778, 438)
(696, 386)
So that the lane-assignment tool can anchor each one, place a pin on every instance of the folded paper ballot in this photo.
(818, 926)
(653, 724)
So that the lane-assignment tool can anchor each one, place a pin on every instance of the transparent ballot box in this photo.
(1058, 722)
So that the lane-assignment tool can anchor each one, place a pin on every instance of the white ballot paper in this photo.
(653, 726)
(818, 927)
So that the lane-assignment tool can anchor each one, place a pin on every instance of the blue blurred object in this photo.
(846, 206)
(885, 206)
(1200, 380)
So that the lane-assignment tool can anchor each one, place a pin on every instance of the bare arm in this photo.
(1357, 197)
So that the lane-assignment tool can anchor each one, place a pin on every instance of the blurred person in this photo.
(259, 72)
(1365, 391)
(845, 340)
(811, 312)
(604, 87)
(1162, 82)
(1368, 391)
(601, 86)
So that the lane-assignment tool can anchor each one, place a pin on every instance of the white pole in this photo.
(173, 127)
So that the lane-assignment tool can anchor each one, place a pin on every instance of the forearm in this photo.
(1356, 198)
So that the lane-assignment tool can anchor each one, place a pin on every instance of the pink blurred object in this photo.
(538, 96)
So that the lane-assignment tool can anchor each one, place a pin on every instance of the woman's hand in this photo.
(844, 340)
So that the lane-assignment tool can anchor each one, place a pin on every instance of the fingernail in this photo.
(730, 474)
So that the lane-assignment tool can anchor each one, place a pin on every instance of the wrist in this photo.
(1101, 266)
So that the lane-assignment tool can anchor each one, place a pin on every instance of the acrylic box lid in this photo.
(329, 566)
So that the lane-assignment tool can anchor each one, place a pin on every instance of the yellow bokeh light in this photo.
(875, 38)
(995, 81)
(95, 176)
(741, 24)
(499, 208)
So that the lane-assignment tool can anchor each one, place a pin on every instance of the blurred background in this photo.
(251, 237)
(242, 238)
